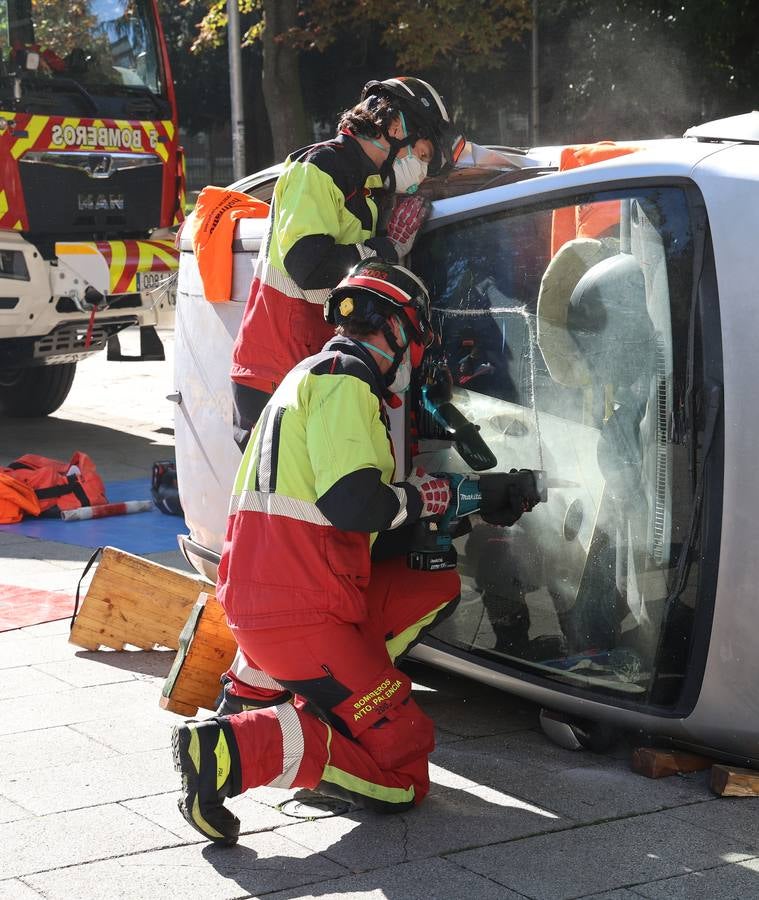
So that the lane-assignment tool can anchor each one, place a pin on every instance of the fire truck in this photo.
(91, 183)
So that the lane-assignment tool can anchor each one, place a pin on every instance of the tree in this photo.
(281, 78)
(421, 36)
(644, 68)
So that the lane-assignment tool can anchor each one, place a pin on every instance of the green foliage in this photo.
(637, 68)
(419, 33)
(200, 79)
(607, 68)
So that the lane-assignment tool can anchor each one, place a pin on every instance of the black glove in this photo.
(506, 495)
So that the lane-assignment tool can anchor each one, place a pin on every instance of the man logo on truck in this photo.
(87, 202)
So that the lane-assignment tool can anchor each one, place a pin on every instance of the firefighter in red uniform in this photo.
(301, 595)
(326, 212)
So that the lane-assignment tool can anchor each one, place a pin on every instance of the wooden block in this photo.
(730, 781)
(656, 763)
(206, 650)
(131, 600)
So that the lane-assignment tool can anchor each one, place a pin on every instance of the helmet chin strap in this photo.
(396, 359)
(387, 171)
(398, 353)
(396, 145)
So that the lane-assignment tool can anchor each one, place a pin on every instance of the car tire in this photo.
(35, 392)
(598, 737)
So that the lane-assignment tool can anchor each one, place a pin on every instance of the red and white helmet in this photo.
(373, 291)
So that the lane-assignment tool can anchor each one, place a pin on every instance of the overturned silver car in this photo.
(598, 323)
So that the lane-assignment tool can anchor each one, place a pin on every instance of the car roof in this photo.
(485, 168)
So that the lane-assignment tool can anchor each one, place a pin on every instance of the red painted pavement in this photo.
(21, 606)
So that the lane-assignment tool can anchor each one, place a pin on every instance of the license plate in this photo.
(150, 281)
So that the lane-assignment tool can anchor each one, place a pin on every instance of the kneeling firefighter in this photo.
(309, 609)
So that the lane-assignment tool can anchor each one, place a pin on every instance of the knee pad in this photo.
(404, 734)
(367, 706)
(386, 721)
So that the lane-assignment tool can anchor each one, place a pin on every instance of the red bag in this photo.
(59, 485)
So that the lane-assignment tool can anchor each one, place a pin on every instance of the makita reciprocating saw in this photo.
(500, 497)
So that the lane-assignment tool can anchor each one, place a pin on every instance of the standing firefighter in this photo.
(325, 216)
(301, 594)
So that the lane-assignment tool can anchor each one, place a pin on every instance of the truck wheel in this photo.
(37, 391)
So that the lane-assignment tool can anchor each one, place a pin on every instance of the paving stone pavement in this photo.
(88, 792)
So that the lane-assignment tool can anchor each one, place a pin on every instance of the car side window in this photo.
(564, 336)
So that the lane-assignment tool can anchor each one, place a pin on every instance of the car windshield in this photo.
(105, 54)
(565, 336)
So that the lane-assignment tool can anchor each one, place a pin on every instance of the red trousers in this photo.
(352, 728)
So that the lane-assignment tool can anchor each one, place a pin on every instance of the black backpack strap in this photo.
(79, 584)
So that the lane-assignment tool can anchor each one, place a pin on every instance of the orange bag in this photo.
(59, 485)
(591, 221)
(16, 500)
(211, 228)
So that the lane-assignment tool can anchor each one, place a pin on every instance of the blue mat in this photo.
(139, 533)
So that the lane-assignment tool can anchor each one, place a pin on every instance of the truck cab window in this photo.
(105, 61)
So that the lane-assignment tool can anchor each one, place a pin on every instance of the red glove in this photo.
(434, 492)
(408, 216)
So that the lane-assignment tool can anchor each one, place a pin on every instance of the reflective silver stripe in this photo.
(278, 505)
(265, 447)
(238, 663)
(398, 83)
(400, 516)
(254, 677)
(293, 745)
(281, 281)
(365, 252)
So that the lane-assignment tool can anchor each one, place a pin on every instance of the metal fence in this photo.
(208, 158)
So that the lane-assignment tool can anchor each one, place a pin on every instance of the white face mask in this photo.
(409, 172)
(402, 379)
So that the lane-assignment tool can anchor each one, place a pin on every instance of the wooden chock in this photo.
(134, 601)
(206, 650)
(730, 781)
(656, 763)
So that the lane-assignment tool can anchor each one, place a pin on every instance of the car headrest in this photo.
(608, 321)
(563, 357)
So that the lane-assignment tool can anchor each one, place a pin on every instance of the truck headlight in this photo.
(13, 265)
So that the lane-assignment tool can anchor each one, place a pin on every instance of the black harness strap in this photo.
(79, 584)
(74, 487)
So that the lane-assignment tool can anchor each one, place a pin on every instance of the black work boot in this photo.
(207, 756)
(231, 704)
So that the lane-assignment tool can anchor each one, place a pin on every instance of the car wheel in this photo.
(37, 391)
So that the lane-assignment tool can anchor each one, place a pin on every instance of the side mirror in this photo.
(25, 60)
